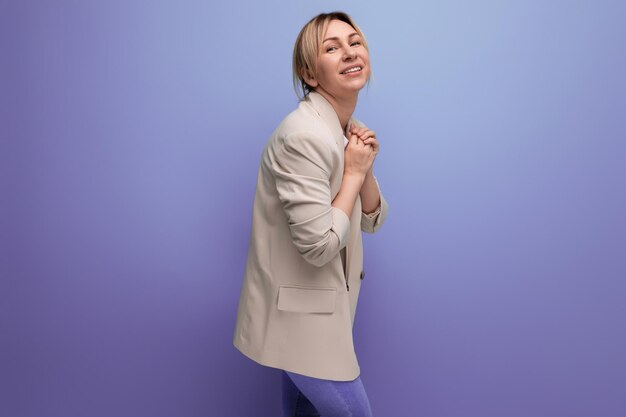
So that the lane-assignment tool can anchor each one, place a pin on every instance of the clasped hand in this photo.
(360, 151)
(367, 136)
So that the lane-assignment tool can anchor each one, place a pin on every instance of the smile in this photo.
(352, 70)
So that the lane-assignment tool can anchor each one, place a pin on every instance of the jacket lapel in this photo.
(328, 114)
(330, 118)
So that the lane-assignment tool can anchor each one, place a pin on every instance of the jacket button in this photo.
(362, 274)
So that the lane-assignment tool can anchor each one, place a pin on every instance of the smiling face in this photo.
(342, 49)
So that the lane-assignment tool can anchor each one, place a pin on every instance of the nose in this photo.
(350, 53)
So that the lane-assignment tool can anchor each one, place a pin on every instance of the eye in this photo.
(333, 47)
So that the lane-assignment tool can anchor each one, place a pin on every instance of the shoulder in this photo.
(303, 127)
(301, 143)
(303, 118)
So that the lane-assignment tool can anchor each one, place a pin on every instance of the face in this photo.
(341, 49)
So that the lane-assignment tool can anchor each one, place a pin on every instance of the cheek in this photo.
(325, 71)
(369, 69)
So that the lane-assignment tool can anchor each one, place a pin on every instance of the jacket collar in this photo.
(328, 114)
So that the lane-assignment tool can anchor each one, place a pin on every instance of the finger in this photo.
(366, 143)
(358, 130)
(368, 132)
(373, 145)
(353, 140)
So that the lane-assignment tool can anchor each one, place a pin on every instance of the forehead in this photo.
(338, 28)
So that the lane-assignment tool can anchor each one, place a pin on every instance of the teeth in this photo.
(352, 70)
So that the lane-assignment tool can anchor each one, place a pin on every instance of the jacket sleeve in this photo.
(301, 165)
(371, 222)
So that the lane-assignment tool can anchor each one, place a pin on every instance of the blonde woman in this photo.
(315, 194)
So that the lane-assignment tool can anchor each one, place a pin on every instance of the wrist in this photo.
(354, 177)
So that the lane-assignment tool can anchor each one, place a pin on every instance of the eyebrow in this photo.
(336, 38)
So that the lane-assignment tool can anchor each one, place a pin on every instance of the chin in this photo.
(358, 88)
(355, 86)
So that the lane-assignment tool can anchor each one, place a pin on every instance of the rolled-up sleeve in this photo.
(371, 222)
(301, 164)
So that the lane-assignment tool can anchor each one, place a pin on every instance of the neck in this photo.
(344, 105)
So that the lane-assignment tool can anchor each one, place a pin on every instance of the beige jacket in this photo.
(297, 304)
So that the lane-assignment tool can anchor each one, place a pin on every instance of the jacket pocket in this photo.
(301, 299)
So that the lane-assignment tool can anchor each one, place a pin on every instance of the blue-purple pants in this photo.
(305, 396)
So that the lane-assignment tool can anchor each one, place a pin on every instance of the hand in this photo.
(358, 156)
(368, 137)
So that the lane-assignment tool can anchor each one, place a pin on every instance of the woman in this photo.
(315, 194)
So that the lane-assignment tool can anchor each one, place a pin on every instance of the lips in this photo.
(352, 72)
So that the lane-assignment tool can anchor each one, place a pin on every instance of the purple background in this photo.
(131, 137)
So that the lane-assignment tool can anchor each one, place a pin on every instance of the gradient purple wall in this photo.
(131, 137)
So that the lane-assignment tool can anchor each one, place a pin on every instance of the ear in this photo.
(309, 78)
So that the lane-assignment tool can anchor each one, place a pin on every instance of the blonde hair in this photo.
(308, 47)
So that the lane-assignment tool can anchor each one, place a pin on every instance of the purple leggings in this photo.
(305, 396)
